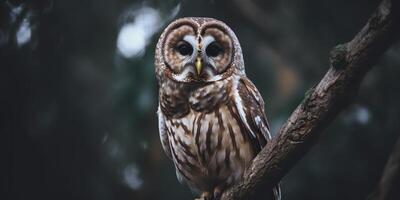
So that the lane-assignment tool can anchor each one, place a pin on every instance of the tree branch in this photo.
(388, 187)
(349, 64)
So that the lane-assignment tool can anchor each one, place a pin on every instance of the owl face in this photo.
(197, 50)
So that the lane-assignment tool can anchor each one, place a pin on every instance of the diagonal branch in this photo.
(349, 64)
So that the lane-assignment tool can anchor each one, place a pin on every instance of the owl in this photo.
(211, 117)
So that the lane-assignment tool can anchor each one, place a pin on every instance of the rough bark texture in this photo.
(349, 64)
(388, 187)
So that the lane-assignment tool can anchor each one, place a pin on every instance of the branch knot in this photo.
(338, 56)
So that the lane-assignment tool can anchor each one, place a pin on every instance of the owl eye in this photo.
(214, 49)
(184, 48)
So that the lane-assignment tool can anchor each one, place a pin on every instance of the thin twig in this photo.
(388, 187)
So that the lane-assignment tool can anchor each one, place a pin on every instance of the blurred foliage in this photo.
(79, 95)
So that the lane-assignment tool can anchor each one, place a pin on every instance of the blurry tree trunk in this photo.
(389, 185)
(349, 64)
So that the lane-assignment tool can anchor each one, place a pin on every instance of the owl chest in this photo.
(177, 100)
(209, 148)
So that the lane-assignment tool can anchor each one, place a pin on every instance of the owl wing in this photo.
(163, 133)
(250, 106)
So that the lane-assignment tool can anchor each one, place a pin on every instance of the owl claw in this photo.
(217, 193)
(205, 196)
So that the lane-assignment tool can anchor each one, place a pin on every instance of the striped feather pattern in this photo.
(213, 142)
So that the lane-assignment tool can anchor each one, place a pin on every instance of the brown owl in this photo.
(211, 116)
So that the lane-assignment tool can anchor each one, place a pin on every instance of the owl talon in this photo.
(205, 196)
(217, 193)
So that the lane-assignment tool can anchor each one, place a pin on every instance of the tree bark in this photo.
(349, 64)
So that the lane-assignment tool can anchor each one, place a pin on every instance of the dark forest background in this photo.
(78, 95)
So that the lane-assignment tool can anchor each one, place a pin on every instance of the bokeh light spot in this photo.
(24, 33)
(133, 37)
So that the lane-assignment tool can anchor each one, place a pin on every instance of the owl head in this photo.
(198, 50)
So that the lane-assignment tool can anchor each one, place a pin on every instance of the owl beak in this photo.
(199, 65)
